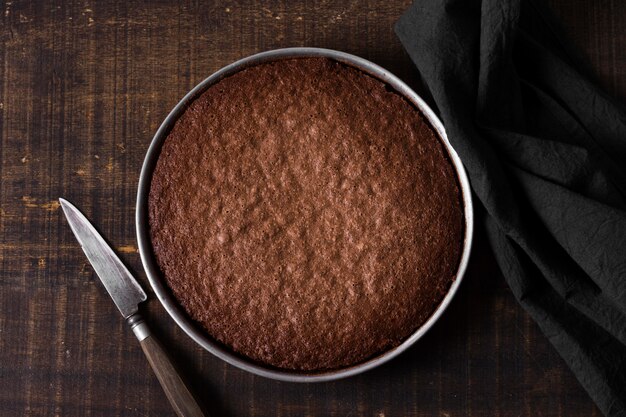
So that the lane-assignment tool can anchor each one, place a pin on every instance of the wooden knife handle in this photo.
(176, 390)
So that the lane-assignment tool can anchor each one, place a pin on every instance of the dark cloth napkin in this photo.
(545, 150)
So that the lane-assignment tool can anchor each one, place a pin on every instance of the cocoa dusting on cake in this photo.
(307, 216)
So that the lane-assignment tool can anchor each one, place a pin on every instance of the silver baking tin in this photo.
(170, 303)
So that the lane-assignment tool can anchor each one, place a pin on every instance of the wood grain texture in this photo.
(176, 390)
(83, 87)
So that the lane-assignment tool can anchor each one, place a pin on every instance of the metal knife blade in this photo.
(118, 281)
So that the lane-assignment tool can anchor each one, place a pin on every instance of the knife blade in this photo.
(118, 281)
(127, 294)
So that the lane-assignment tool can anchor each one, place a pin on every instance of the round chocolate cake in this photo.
(305, 214)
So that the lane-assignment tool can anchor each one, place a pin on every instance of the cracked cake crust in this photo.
(305, 215)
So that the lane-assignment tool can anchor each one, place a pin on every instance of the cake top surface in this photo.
(305, 214)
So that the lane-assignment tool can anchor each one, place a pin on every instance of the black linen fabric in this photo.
(545, 150)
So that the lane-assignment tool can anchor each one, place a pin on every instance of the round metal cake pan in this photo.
(170, 303)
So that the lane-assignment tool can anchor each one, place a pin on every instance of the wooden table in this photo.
(83, 88)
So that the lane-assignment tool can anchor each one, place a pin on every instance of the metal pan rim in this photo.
(170, 303)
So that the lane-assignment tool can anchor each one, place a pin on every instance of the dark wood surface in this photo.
(176, 388)
(83, 87)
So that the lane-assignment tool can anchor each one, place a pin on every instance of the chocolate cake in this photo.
(305, 214)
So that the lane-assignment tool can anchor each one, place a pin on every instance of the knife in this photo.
(127, 294)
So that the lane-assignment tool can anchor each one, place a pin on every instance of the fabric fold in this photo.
(545, 150)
